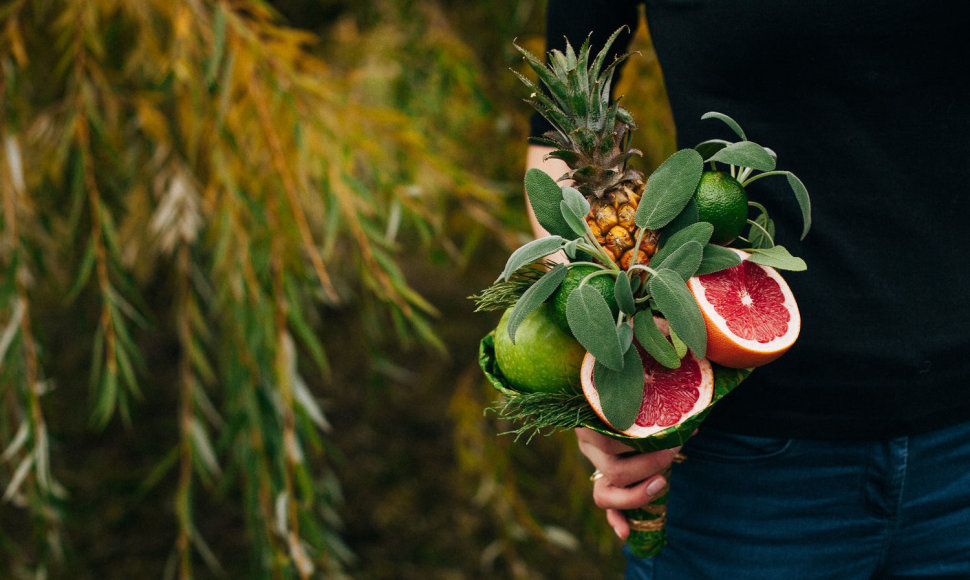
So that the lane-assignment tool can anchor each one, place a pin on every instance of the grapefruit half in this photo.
(750, 313)
(670, 396)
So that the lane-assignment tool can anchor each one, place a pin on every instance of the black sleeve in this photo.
(575, 20)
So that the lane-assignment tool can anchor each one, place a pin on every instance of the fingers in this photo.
(609, 496)
(628, 479)
(621, 465)
(618, 522)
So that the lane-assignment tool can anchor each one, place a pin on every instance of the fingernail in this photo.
(656, 486)
(617, 532)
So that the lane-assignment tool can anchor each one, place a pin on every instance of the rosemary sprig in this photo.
(534, 413)
(503, 295)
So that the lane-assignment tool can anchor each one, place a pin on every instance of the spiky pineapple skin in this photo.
(611, 220)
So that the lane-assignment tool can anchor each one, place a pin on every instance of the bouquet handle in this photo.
(648, 533)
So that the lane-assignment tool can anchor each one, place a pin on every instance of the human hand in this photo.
(629, 479)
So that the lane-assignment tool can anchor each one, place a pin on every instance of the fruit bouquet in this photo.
(668, 294)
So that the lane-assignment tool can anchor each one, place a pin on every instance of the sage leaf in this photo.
(545, 196)
(746, 154)
(576, 225)
(777, 257)
(804, 203)
(699, 232)
(727, 120)
(677, 304)
(570, 249)
(620, 391)
(576, 202)
(652, 339)
(623, 292)
(531, 252)
(574, 208)
(684, 260)
(687, 217)
(534, 296)
(709, 148)
(624, 333)
(679, 347)
(592, 324)
(761, 234)
(669, 188)
(717, 258)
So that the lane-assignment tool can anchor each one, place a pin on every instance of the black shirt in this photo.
(869, 104)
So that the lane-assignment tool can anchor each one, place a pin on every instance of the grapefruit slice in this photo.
(750, 313)
(670, 396)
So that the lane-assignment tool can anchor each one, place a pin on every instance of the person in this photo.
(849, 457)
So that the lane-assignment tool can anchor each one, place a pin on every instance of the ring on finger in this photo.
(596, 475)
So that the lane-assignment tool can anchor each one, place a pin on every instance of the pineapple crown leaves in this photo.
(591, 132)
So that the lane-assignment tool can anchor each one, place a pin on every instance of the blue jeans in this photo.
(760, 508)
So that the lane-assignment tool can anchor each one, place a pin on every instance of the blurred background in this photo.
(237, 241)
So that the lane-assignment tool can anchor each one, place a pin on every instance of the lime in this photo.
(543, 358)
(722, 201)
(604, 284)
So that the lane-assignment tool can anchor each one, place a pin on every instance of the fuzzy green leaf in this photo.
(620, 391)
(761, 234)
(570, 249)
(777, 257)
(727, 120)
(653, 340)
(669, 188)
(574, 208)
(591, 322)
(535, 296)
(804, 203)
(623, 293)
(531, 252)
(699, 232)
(684, 260)
(717, 258)
(679, 346)
(677, 304)
(545, 196)
(625, 333)
(709, 148)
(746, 154)
(687, 217)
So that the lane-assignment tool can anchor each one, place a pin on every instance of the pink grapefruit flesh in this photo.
(750, 314)
(670, 396)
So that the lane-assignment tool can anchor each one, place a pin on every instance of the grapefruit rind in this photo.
(726, 348)
(725, 380)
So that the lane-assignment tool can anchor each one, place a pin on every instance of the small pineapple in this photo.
(591, 135)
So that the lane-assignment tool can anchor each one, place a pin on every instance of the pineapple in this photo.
(591, 135)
